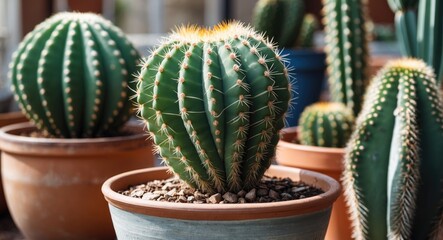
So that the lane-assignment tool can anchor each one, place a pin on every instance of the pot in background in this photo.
(52, 186)
(320, 159)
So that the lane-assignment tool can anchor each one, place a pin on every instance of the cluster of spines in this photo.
(229, 81)
(280, 20)
(71, 76)
(393, 169)
(346, 50)
(326, 125)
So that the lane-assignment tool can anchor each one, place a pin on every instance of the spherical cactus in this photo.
(214, 102)
(72, 76)
(326, 124)
(393, 176)
(280, 20)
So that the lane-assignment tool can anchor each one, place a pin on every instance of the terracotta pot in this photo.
(320, 159)
(297, 219)
(7, 119)
(52, 186)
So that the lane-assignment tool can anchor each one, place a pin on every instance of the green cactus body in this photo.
(308, 28)
(71, 75)
(346, 50)
(326, 124)
(393, 170)
(213, 101)
(420, 32)
(281, 20)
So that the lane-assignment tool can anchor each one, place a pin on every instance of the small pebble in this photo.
(216, 198)
(251, 195)
(230, 197)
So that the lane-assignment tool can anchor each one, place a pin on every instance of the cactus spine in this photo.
(421, 36)
(71, 75)
(280, 20)
(393, 175)
(346, 50)
(214, 102)
(326, 124)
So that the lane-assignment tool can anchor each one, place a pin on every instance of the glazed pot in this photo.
(296, 219)
(308, 70)
(320, 159)
(7, 119)
(52, 186)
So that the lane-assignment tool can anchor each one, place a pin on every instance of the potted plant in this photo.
(317, 144)
(286, 23)
(214, 102)
(71, 76)
(393, 169)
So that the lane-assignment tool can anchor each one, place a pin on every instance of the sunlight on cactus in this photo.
(72, 76)
(214, 101)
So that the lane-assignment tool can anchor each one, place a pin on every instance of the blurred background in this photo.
(146, 20)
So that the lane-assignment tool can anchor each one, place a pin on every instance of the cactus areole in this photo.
(72, 76)
(393, 176)
(214, 101)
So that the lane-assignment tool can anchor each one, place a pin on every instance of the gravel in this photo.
(270, 189)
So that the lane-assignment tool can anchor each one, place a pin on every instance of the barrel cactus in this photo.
(346, 49)
(72, 76)
(214, 102)
(281, 20)
(393, 175)
(325, 124)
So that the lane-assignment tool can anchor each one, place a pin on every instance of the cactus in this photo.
(393, 176)
(421, 35)
(346, 49)
(325, 124)
(214, 102)
(71, 76)
(308, 28)
(280, 20)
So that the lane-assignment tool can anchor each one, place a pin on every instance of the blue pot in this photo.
(307, 68)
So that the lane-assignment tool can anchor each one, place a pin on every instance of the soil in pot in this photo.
(270, 189)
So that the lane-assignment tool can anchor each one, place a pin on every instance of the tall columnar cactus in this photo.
(281, 20)
(308, 28)
(393, 175)
(72, 75)
(346, 49)
(326, 124)
(422, 36)
(214, 102)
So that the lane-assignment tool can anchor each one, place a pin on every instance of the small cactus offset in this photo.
(308, 28)
(325, 124)
(280, 20)
(393, 175)
(214, 102)
(346, 49)
(72, 76)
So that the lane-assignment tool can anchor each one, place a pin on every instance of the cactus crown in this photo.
(71, 75)
(214, 101)
(393, 169)
(346, 49)
(325, 124)
(284, 21)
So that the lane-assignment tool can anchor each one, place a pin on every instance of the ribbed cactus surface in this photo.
(72, 75)
(214, 102)
(393, 175)
(307, 31)
(325, 124)
(280, 20)
(346, 49)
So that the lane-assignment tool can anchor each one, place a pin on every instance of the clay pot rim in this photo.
(189, 211)
(6, 135)
(306, 148)
(11, 141)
